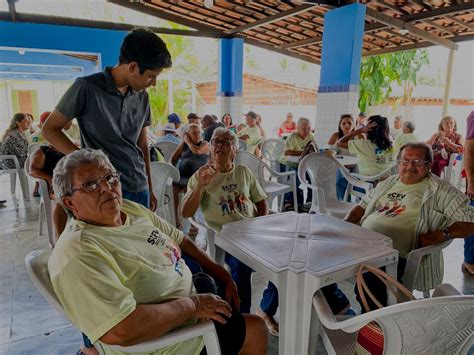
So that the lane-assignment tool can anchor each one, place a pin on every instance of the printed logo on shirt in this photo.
(393, 206)
(172, 252)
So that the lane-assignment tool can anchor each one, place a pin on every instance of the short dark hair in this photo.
(192, 116)
(418, 145)
(143, 46)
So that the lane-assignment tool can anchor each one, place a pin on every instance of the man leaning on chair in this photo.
(416, 209)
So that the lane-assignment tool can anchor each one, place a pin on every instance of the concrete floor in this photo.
(28, 325)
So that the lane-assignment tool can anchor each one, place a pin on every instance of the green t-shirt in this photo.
(371, 159)
(403, 139)
(229, 197)
(295, 142)
(100, 274)
(255, 137)
(396, 214)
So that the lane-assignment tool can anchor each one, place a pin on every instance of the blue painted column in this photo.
(338, 91)
(230, 77)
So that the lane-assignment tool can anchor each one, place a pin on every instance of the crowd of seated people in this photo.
(113, 241)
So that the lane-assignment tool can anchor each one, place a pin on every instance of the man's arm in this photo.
(36, 165)
(150, 321)
(143, 145)
(456, 230)
(469, 166)
(177, 153)
(52, 132)
(355, 215)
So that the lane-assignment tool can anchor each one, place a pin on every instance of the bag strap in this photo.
(393, 285)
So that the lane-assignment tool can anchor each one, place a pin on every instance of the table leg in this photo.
(295, 313)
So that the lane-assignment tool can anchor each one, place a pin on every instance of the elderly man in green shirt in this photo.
(416, 209)
(251, 134)
(119, 274)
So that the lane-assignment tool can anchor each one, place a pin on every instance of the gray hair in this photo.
(64, 170)
(302, 120)
(410, 125)
(418, 145)
(219, 131)
(398, 118)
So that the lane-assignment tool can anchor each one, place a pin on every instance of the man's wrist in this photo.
(446, 234)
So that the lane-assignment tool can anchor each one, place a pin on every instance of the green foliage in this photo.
(378, 73)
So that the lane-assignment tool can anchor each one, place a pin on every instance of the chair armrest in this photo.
(445, 290)
(414, 261)
(373, 178)
(11, 157)
(173, 337)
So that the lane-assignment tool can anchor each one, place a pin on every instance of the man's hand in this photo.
(431, 238)
(153, 201)
(209, 306)
(205, 174)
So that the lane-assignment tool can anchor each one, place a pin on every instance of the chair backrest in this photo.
(252, 162)
(448, 171)
(321, 170)
(272, 150)
(163, 175)
(4, 158)
(32, 147)
(167, 148)
(36, 263)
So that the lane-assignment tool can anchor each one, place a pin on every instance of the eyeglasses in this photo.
(112, 179)
(215, 142)
(415, 162)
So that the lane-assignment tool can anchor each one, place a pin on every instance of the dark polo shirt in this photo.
(110, 121)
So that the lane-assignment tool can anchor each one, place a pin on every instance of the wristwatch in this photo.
(447, 236)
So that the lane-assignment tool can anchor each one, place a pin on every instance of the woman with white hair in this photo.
(407, 136)
(118, 269)
(294, 146)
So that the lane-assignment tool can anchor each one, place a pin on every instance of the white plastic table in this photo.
(345, 160)
(300, 253)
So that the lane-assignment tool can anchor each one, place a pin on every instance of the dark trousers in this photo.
(469, 247)
(377, 287)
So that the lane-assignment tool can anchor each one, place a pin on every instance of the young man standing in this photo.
(113, 112)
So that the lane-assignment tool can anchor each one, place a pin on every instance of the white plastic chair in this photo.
(321, 169)
(439, 325)
(214, 251)
(167, 148)
(36, 264)
(163, 176)
(18, 170)
(285, 182)
(448, 173)
(412, 267)
(272, 150)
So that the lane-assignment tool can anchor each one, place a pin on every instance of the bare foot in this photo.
(270, 322)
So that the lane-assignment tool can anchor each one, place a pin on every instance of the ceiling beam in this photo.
(407, 47)
(439, 27)
(270, 19)
(65, 21)
(397, 23)
(12, 9)
(469, 26)
(441, 11)
(149, 10)
(281, 51)
(302, 43)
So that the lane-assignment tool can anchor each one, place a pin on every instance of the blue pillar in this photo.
(230, 77)
(338, 90)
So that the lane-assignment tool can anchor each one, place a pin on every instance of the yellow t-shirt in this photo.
(403, 139)
(100, 274)
(396, 215)
(295, 142)
(371, 160)
(255, 137)
(229, 197)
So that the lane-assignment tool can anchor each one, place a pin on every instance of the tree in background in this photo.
(379, 73)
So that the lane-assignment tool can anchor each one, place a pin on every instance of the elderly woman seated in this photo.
(119, 274)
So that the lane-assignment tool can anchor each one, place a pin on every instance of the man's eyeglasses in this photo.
(112, 179)
(415, 162)
(225, 142)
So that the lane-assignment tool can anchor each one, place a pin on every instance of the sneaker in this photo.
(270, 322)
